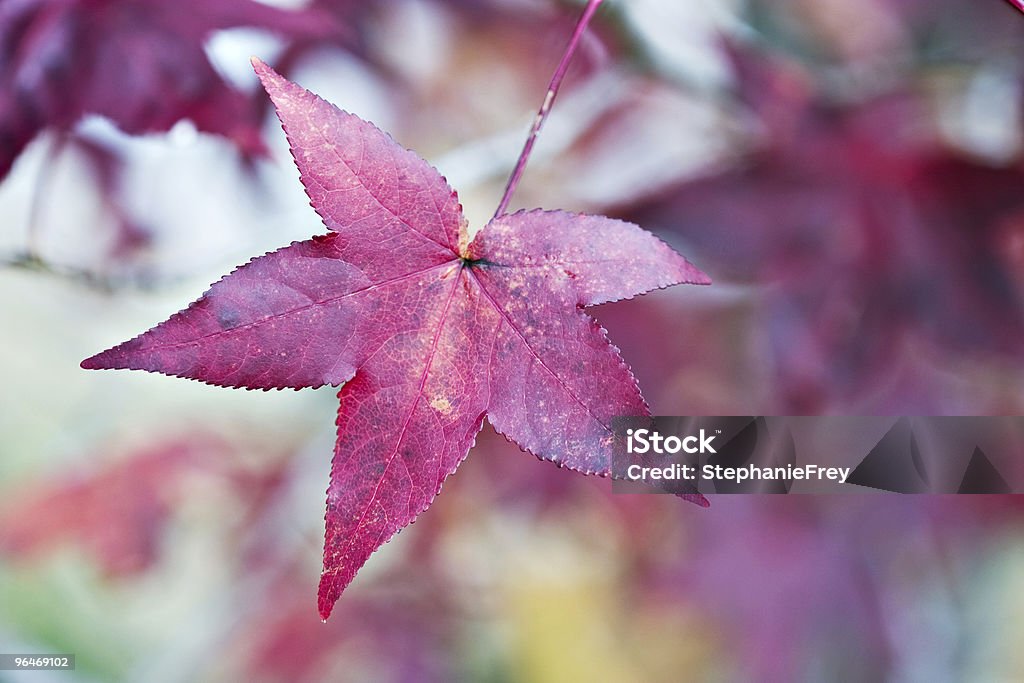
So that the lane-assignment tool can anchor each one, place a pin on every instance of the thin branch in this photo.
(545, 108)
(33, 263)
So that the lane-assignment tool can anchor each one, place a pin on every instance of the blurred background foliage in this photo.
(849, 174)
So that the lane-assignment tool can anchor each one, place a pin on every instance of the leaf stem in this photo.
(545, 108)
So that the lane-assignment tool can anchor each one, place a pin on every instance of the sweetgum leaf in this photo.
(428, 332)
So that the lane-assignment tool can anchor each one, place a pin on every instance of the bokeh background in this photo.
(851, 175)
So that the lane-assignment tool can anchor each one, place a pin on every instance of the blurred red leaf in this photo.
(139, 62)
(116, 513)
(427, 331)
(862, 229)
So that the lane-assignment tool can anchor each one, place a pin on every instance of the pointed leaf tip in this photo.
(100, 361)
(268, 77)
(698, 498)
(263, 69)
(324, 602)
(699, 276)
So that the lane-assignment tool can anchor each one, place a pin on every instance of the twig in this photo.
(545, 108)
(33, 263)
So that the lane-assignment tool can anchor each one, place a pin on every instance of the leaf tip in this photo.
(268, 77)
(690, 274)
(698, 499)
(327, 597)
(93, 363)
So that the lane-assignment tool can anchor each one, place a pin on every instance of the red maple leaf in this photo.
(427, 331)
(140, 63)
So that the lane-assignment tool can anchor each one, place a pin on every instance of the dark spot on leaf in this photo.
(228, 317)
